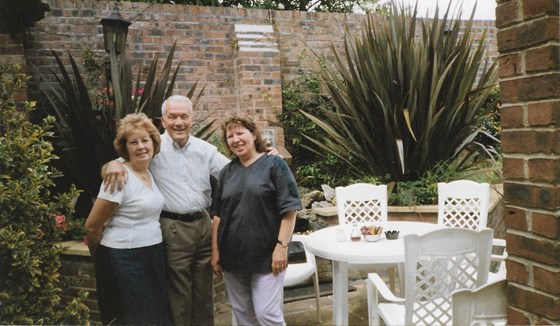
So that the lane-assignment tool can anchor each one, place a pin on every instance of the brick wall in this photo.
(528, 41)
(82, 265)
(236, 81)
(207, 44)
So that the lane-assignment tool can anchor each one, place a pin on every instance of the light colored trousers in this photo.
(256, 299)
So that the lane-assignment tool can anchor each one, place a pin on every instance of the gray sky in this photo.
(485, 9)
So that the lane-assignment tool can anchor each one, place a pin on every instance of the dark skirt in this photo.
(132, 286)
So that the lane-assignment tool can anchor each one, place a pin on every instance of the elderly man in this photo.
(182, 172)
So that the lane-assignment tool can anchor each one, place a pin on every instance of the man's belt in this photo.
(191, 217)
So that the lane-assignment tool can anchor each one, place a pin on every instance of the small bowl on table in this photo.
(372, 237)
(392, 235)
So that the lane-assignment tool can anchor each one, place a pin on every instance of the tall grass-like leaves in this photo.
(85, 132)
(84, 135)
(402, 104)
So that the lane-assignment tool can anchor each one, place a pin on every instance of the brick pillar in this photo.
(529, 60)
(258, 77)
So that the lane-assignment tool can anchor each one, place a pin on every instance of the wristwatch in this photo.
(284, 244)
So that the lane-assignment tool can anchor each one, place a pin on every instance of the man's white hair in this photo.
(180, 99)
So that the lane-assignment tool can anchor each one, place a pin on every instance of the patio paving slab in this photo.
(302, 312)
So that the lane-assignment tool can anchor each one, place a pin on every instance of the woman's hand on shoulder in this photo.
(273, 151)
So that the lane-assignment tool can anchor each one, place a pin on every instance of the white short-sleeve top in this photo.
(135, 224)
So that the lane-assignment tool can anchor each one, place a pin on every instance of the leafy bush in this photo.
(424, 190)
(30, 282)
(402, 106)
(312, 170)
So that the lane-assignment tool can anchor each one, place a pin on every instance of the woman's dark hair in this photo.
(238, 121)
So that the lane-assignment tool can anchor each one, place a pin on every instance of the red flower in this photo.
(60, 221)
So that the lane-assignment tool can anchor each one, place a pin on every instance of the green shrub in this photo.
(423, 191)
(311, 169)
(30, 283)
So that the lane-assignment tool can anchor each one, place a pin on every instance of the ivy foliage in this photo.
(31, 285)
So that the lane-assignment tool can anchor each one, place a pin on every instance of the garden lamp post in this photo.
(115, 29)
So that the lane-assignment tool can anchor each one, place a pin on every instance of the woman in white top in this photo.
(124, 235)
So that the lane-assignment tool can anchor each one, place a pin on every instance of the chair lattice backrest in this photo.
(439, 263)
(463, 204)
(361, 203)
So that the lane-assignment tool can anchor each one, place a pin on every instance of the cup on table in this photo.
(340, 234)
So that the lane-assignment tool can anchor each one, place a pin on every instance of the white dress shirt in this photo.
(183, 174)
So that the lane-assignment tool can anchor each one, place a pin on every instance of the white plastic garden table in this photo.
(323, 243)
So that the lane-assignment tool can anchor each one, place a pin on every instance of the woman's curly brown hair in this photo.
(134, 122)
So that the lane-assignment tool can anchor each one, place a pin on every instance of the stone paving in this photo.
(302, 312)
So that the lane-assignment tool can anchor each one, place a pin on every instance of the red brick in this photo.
(545, 197)
(537, 303)
(517, 272)
(509, 65)
(513, 168)
(546, 280)
(531, 88)
(534, 8)
(544, 113)
(530, 141)
(528, 34)
(20, 96)
(516, 317)
(511, 116)
(507, 13)
(547, 225)
(531, 248)
(544, 169)
(545, 58)
(516, 218)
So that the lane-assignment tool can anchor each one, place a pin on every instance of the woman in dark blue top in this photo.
(254, 207)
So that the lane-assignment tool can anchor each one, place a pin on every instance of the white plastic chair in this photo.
(486, 305)
(297, 273)
(436, 264)
(364, 204)
(464, 204)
